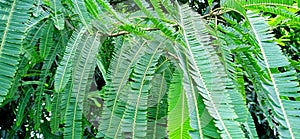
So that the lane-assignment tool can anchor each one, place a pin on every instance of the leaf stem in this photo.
(143, 29)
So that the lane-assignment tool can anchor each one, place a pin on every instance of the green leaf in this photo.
(83, 14)
(45, 73)
(127, 53)
(207, 73)
(37, 8)
(193, 98)
(201, 123)
(58, 103)
(278, 10)
(101, 68)
(46, 41)
(178, 115)
(250, 128)
(235, 88)
(63, 72)
(277, 86)
(240, 6)
(92, 8)
(107, 7)
(266, 2)
(135, 116)
(64, 103)
(84, 65)
(157, 108)
(234, 5)
(12, 33)
(30, 43)
(158, 9)
(37, 20)
(144, 6)
(58, 17)
(22, 106)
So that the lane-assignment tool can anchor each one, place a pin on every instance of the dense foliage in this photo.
(149, 69)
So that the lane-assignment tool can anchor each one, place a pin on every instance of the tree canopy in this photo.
(150, 69)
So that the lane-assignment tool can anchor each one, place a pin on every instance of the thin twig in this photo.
(69, 24)
(118, 34)
(216, 12)
(172, 55)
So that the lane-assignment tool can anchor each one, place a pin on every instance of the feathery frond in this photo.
(240, 6)
(278, 86)
(158, 72)
(46, 41)
(126, 55)
(235, 89)
(135, 116)
(157, 107)
(83, 14)
(63, 72)
(46, 72)
(15, 15)
(83, 67)
(178, 115)
(266, 2)
(58, 16)
(207, 73)
(22, 106)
